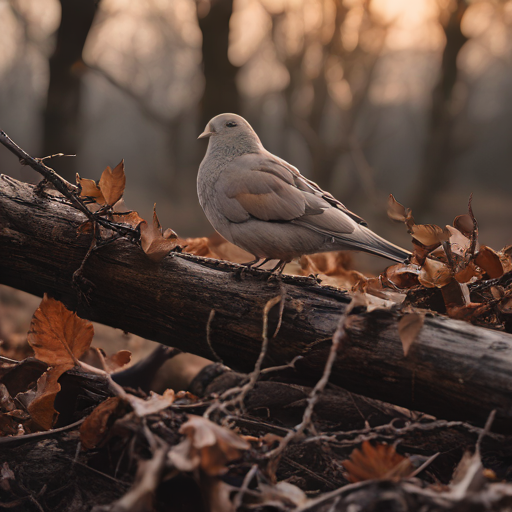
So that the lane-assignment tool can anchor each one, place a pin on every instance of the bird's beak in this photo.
(207, 133)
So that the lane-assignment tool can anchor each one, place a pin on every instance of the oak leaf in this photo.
(57, 335)
(379, 461)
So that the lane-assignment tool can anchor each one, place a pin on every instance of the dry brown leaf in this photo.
(464, 224)
(57, 335)
(489, 262)
(409, 327)
(467, 273)
(377, 461)
(207, 446)
(396, 210)
(333, 268)
(434, 274)
(133, 219)
(94, 428)
(429, 234)
(506, 258)
(215, 246)
(402, 275)
(112, 183)
(459, 244)
(118, 360)
(41, 409)
(197, 246)
(153, 242)
(467, 312)
(153, 404)
(421, 252)
(88, 188)
(85, 228)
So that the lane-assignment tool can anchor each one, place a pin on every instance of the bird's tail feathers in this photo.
(367, 241)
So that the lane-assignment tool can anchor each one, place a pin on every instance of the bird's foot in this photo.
(277, 272)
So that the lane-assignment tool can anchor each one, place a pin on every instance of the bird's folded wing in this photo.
(287, 172)
(262, 195)
(255, 192)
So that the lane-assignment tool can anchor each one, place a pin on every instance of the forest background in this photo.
(365, 97)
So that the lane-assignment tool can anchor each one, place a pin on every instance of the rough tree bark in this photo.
(453, 370)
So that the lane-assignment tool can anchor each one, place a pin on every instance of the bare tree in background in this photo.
(439, 143)
(62, 112)
(356, 64)
(220, 90)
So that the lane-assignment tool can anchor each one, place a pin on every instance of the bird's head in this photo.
(230, 128)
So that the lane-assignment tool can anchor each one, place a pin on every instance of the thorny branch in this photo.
(64, 187)
(316, 391)
(242, 391)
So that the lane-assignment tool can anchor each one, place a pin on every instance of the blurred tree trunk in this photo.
(62, 112)
(439, 143)
(220, 90)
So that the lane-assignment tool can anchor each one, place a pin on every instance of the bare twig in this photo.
(242, 391)
(208, 336)
(474, 233)
(237, 502)
(64, 187)
(315, 392)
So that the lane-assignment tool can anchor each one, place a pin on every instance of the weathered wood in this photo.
(454, 370)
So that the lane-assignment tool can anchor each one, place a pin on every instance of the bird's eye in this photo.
(230, 124)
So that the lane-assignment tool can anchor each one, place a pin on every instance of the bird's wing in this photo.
(262, 188)
(259, 194)
(285, 170)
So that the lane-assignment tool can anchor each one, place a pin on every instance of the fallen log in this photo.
(453, 369)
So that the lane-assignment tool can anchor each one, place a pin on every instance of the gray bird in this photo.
(263, 204)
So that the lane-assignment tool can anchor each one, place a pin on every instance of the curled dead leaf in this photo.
(112, 183)
(429, 234)
(377, 461)
(489, 261)
(434, 274)
(153, 242)
(396, 211)
(464, 224)
(88, 188)
(409, 327)
(41, 409)
(402, 275)
(153, 404)
(506, 258)
(133, 219)
(207, 446)
(467, 273)
(94, 428)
